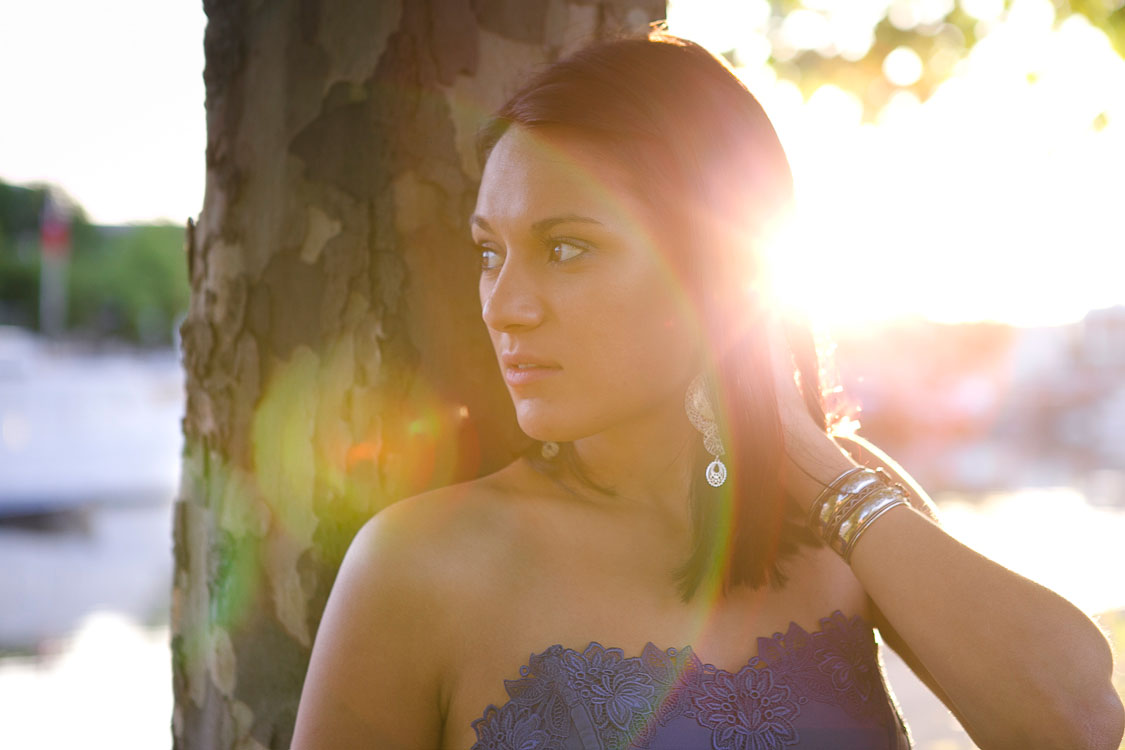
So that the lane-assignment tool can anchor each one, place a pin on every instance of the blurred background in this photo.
(958, 166)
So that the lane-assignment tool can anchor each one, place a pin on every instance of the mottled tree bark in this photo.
(335, 357)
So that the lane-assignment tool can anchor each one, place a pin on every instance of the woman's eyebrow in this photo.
(543, 224)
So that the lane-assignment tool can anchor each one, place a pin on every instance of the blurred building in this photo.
(988, 406)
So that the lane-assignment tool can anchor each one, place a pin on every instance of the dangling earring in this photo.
(549, 449)
(702, 417)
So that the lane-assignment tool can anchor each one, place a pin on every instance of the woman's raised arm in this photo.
(1020, 665)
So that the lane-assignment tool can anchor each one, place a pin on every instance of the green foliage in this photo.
(939, 43)
(19, 209)
(19, 287)
(134, 285)
(125, 282)
(1107, 15)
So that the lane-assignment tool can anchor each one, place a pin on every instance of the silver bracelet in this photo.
(867, 516)
(850, 482)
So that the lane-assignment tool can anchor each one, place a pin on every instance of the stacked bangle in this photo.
(851, 503)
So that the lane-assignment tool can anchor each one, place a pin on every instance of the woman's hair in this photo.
(707, 161)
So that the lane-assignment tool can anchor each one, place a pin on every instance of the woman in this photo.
(685, 497)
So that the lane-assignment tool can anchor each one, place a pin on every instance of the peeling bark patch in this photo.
(454, 45)
(472, 98)
(355, 36)
(305, 62)
(338, 147)
(270, 671)
(416, 203)
(285, 458)
(240, 510)
(181, 552)
(207, 724)
(198, 343)
(319, 228)
(581, 26)
(296, 294)
(628, 15)
(389, 280)
(556, 22)
(221, 661)
(190, 597)
(245, 387)
(346, 266)
(243, 725)
(224, 46)
(290, 600)
(230, 303)
(514, 19)
(308, 19)
(368, 335)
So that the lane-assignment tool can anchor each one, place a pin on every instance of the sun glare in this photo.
(994, 199)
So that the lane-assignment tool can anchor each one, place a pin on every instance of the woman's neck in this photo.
(647, 461)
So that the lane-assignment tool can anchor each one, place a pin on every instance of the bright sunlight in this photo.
(993, 199)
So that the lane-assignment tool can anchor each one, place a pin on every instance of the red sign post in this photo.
(54, 244)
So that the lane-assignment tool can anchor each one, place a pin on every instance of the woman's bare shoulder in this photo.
(413, 578)
(440, 537)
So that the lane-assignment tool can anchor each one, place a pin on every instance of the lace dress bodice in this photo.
(823, 689)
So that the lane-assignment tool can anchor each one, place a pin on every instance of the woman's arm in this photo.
(1022, 666)
(868, 454)
(1019, 665)
(374, 676)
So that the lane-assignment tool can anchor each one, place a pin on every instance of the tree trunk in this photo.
(335, 357)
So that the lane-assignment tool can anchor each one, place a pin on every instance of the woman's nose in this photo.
(511, 300)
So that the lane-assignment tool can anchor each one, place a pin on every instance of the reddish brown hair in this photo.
(714, 171)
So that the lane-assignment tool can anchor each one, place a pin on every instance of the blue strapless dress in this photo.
(802, 690)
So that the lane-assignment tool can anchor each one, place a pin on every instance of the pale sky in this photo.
(104, 98)
(995, 199)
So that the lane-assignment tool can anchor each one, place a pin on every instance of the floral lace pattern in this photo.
(617, 702)
(747, 710)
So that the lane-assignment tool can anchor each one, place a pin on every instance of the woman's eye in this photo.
(489, 258)
(561, 251)
(566, 250)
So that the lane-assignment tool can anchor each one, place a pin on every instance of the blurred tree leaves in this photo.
(133, 285)
(1107, 15)
(125, 282)
(940, 32)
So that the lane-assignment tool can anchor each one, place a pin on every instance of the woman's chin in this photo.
(544, 430)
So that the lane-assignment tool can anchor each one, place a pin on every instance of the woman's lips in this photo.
(524, 375)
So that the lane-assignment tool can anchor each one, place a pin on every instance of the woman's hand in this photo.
(813, 458)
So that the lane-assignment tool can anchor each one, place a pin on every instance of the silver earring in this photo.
(549, 449)
(702, 417)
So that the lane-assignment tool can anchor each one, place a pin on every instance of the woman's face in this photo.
(573, 277)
